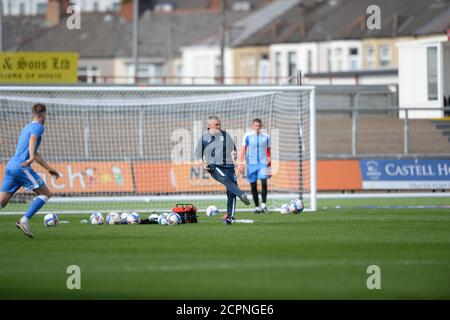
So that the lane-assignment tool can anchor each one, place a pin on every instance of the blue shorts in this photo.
(21, 177)
(257, 171)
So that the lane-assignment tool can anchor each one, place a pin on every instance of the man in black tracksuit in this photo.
(216, 152)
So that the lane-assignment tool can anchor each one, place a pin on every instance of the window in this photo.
(370, 57)
(292, 66)
(158, 73)
(116, 6)
(218, 68)
(142, 75)
(329, 60)
(147, 73)
(338, 59)
(353, 58)
(263, 72)
(22, 8)
(89, 74)
(432, 73)
(308, 61)
(385, 56)
(41, 8)
(163, 7)
(241, 6)
(180, 73)
(277, 66)
(9, 8)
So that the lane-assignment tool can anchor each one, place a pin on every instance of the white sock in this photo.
(24, 219)
(263, 205)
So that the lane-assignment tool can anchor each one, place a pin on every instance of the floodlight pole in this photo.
(136, 39)
(1, 25)
(223, 30)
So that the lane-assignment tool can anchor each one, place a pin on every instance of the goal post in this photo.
(131, 148)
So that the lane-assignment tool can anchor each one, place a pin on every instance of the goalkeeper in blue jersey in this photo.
(256, 152)
(18, 171)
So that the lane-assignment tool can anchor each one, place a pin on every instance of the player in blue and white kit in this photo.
(256, 151)
(18, 171)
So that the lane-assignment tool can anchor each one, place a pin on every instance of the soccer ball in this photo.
(51, 220)
(285, 209)
(212, 211)
(296, 206)
(113, 218)
(163, 219)
(173, 219)
(153, 217)
(96, 218)
(133, 218)
(123, 218)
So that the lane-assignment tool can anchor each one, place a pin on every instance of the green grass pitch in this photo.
(322, 255)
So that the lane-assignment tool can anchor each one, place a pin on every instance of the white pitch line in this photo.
(210, 265)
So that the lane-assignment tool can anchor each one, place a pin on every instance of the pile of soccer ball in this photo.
(115, 218)
(169, 219)
(134, 218)
(294, 206)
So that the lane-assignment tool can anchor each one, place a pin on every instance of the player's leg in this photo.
(228, 178)
(264, 195)
(4, 198)
(253, 180)
(263, 175)
(9, 186)
(231, 208)
(32, 182)
(42, 196)
(254, 187)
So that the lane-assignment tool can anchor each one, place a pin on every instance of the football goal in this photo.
(132, 148)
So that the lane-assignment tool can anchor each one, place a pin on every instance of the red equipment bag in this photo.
(187, 212)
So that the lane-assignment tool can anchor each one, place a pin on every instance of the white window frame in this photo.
(385, 58)
(278, 64)
(146, 73)
(433, 76)
(338, 59)
(93, 73)
(353, 58)
(370, 58)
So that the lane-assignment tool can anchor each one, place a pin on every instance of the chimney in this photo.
(56, 10)
(215, 5)
(126, 10)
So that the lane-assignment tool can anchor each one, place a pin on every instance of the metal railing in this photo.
(163, 80)
(419, 137)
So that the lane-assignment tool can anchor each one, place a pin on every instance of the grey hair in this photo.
(212, 118)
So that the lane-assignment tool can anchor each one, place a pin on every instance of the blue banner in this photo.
(405, 174)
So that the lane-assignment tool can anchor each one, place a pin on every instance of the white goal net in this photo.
(130, 148)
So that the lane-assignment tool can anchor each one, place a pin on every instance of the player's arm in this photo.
(234, 155)
(198, 154)
(242, 153)
(32, 150)
(46, 166)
